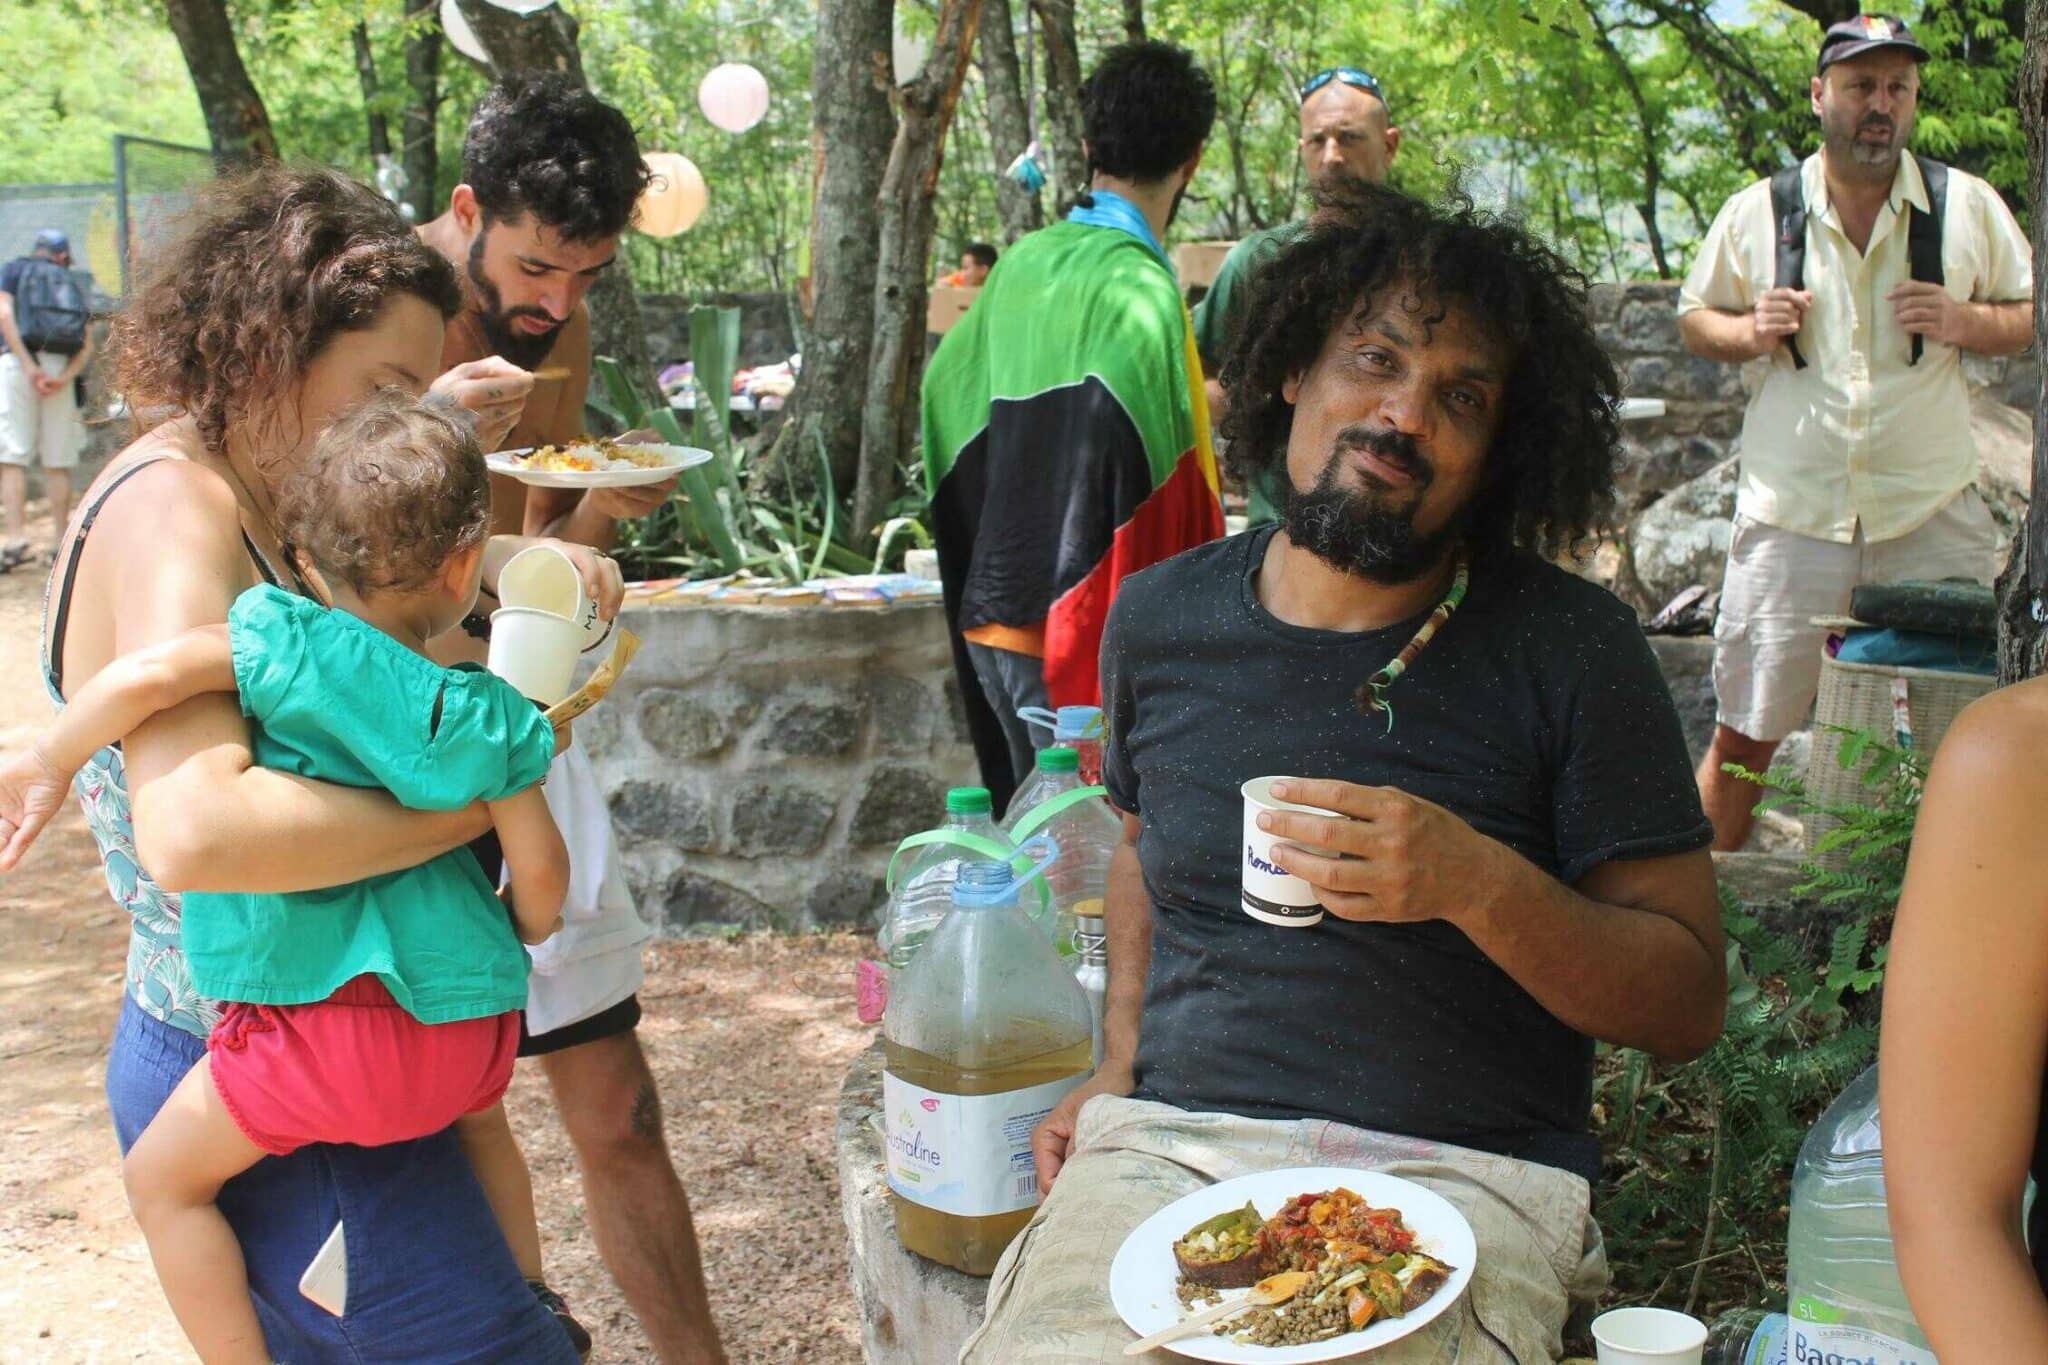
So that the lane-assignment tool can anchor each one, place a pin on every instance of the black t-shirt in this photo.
(1537, 714)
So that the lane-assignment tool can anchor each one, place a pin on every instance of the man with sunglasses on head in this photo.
(1347, 134)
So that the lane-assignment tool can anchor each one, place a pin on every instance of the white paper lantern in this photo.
(734, 97)
(674, 199)
(522, 8)
(909, 52)
(461, 36)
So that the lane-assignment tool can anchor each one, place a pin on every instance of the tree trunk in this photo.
(236, 122)
(1009, 117)
(2023, 588)
(419, 155)
(910, 186)
(547, 42)
(366, 76)
(1134, 20)
(852, 127)
(1061, 128)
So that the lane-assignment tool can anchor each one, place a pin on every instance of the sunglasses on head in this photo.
(1349, 75)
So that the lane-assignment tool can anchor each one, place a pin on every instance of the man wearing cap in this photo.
(1346, 134)
(1857, 460)
(44, 323)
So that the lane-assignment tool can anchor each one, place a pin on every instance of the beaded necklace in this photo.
(1372, 695)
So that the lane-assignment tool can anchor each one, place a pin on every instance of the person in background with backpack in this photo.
(1847, 287)
(43, 319)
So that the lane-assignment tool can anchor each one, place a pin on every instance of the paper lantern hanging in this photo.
(908, 52)
(674, 198)
(461, 36)
(733, 96)
(522, 8)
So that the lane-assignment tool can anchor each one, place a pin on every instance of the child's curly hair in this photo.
(391, 492)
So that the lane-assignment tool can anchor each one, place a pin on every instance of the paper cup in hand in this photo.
(1649, 1336)
(1270, 895)
(542, 578)
(535, 651)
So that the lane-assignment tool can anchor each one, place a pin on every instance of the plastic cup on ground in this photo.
(542, 578)
(535, 651)
(1270, 895)
(1649, 1336)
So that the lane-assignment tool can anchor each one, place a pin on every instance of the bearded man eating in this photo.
(1521, 864)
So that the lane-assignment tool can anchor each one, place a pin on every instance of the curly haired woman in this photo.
(293, 296)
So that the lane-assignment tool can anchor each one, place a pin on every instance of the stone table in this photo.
(912, 1311)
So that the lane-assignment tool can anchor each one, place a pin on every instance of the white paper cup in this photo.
(1649, 1336)
(535, 651)
(1270, 895)
(542, 578)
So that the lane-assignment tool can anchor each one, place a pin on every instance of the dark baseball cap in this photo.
(1867, 33)
(50, 239)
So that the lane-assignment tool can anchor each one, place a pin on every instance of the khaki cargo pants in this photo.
(1540, 1255)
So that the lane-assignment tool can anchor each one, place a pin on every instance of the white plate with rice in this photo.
(1143, 1278)
(595, 464)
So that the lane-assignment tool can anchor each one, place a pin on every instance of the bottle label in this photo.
(965, 1154)
(1834, 1343)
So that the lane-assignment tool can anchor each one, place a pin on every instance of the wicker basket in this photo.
(1861, 697)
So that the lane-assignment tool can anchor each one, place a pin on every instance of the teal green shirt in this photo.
(1221, 312)
(331, 697)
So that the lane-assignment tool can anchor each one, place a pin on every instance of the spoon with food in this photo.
(1274, 1289)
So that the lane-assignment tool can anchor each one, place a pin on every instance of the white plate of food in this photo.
(595, 462)
(1329, 1220)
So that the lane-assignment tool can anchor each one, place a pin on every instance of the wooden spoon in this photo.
(1267, 1292)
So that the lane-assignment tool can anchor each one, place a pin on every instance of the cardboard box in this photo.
(949, 304)
(1200, 262)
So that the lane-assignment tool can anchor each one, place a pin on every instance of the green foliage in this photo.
(1699, 1157)
(79, 71)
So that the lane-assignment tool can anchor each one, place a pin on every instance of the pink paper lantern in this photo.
(733, 96)
(674, 198)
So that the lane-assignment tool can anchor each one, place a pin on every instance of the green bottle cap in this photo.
(1060, 758)
(969, 801)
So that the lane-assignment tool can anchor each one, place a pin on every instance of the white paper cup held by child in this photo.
(542, 578)
(535, 651)
(1649, 1336)
(1269, 894)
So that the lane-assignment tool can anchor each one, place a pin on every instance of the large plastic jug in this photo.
(1079, 728)
(986, 1031)
(1087, 831)
(1846, 1299)
(921, 891)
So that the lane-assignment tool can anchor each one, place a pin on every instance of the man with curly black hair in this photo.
(1490, 850)
(1066, 439)
(551, 176)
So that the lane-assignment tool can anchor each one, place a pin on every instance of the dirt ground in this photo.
(748, 1038)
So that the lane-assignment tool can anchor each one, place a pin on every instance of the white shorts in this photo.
(34, 428)
(593, 963)
(1767, 651)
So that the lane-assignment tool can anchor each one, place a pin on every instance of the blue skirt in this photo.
(430, 1279)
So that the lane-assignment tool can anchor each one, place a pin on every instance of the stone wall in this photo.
(1638, 326)
(766, 336)
(763, 762)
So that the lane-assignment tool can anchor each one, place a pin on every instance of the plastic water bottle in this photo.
(1847, 1302)
(1079, 728)
(986, 1031)
(1084, 827)
(1746, 1336)
(924, 891)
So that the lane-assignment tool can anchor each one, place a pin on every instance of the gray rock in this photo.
(900, 800)
(693, 899)
(694, 724)
(2005, 463)
(847, 896)
(662, 811)
(767, 819)
(1656, 460)
(956, 709)
(903, 712)
(1688, 666)
(912, 1311)
(812, 725)
(1646, 325)
(1682, 539)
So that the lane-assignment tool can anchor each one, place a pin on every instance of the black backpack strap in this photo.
(1923, 233)
(1788, 211)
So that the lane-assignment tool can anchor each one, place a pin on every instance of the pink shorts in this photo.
(355, 1068)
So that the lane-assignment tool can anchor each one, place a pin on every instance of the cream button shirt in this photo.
(1859, 435)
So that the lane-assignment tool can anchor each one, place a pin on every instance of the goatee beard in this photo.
(527, 352)
(1363, 531)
